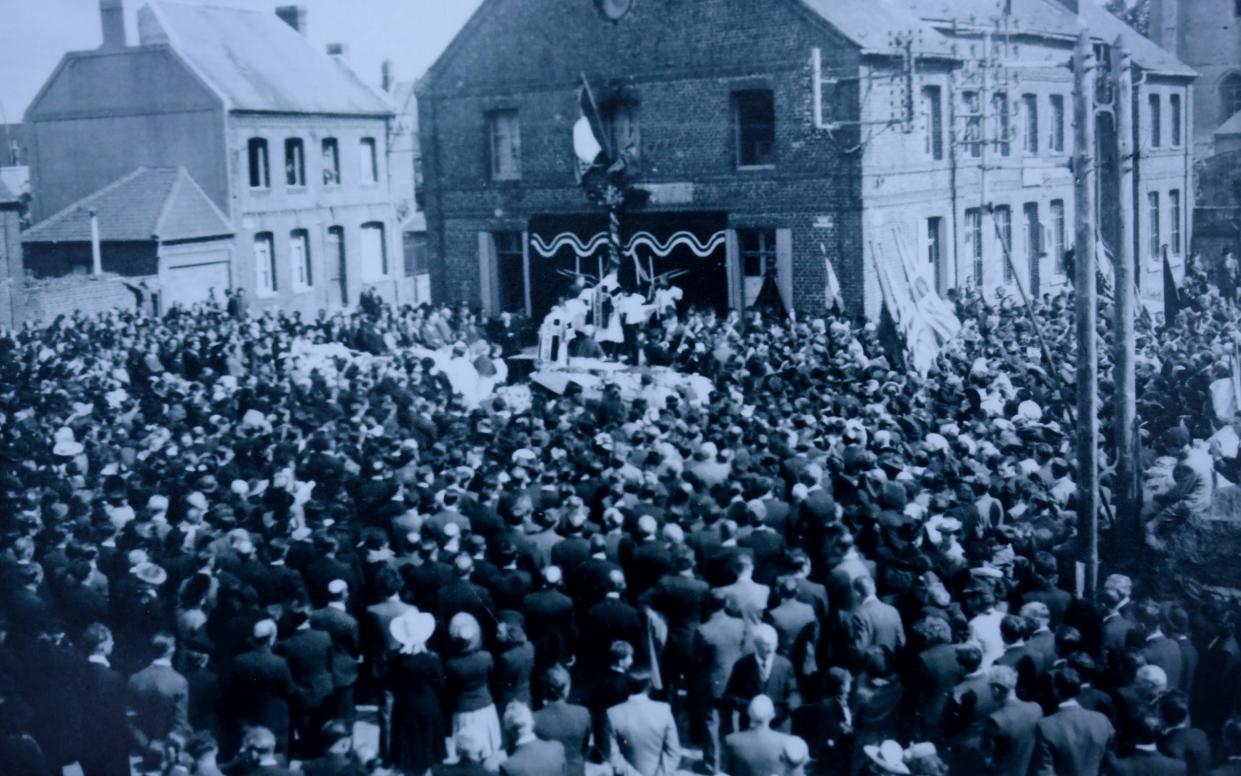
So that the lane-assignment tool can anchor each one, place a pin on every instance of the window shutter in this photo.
(732, 251)
(784, 267)
(486, 268)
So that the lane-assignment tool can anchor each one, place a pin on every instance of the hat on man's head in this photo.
(150, 573)
(888, 756)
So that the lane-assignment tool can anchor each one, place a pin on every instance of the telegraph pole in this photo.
(1123, 355)
(1084, 293)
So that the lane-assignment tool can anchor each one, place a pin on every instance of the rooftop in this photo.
(161, 203)
(257, 62)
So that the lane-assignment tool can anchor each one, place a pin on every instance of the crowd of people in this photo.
(212, 555)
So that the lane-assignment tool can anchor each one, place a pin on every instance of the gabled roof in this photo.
(870, 24)
(1051, 17)
(257, 62)
(163, 203)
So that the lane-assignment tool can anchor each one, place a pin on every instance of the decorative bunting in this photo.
(646, 240)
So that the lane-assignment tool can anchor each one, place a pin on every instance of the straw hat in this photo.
(412, 629)
(889, 756)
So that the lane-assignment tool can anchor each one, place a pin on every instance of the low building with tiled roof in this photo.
(151, 222)
(287, 144)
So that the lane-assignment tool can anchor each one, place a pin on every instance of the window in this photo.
(1229, 95)
(415, 253)
(299, 258)
(973, 241)
(1055, 141)
(510, 266)
(1033, 239)
(264, 264)
(621, 120)
(1004, 128)
(505, 134)
(754, 114)
(1057, 233)
(1156, 119)
(331, 162)
(370, 160)
(260, 174)
(1152, 199)
(1174, 210)
(1029, 112)
(374, 252)
(1004, 226)
(933, 116)
(336, 263)
(1174, 109)
(294, 163)
(418, 195)
(934, 245)
(973, 123)
(758, 257)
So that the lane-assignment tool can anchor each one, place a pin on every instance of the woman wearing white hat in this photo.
(417, 682)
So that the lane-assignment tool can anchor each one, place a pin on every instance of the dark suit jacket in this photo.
(570, 725)
(1189, 745)
(937, 672)
(551, 625)
(781, 686)
(308, 653)
(320, 573)
(1010, 737)
(105, 736)
(611, 620)
(262, 687)
(679, 599)
(535, 758)
(719, 642)
(1142, 763)
(1073, 740)
(159, 698)
(1165, 653)
(343, 629)
(789, 619)
(768, 550)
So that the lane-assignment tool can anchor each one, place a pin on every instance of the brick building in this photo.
(781, 134)
(285, 140)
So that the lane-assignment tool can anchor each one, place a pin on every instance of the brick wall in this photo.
(47, 298)
(681, 63)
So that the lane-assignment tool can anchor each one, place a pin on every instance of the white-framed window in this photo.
(504, 131)
(1004, 124)
(1155, 113)
(1029, 113)
(374, 252)
(1003, 216)
(1174, 213)
(264, 264)
(933, 118)
(1152, 201)
(331, 161)
(973, 242)
(1055, 138)
(1174, 115)
(369, 159)
(972, 106)
(260, 170)
(1057, 234)
(294, 163)
(758, 258)
(299, 259)
(621, 122)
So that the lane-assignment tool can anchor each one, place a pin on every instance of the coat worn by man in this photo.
(754, 752)
(569, 724)
(644, 737)
(159, 700)
(535, 758)
(1073, 740)
(1009, 737)
(262, 687)
(105, 740)
(746, 681)
(343, 629)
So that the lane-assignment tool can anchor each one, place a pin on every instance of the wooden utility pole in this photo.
(1084, 294)
(1123, 355)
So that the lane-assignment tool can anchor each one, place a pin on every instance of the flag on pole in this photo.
(832, 292)
(590, 142)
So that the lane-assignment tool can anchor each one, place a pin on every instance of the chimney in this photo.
(386, 79)
(294, 16)
(112, 18)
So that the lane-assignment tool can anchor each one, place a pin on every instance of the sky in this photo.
(412, 33)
